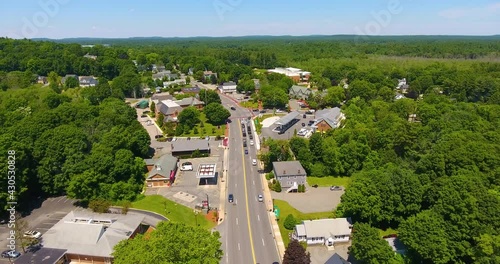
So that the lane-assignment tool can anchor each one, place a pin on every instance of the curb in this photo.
(140, 210)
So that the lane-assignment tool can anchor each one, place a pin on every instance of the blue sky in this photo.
(175, 18)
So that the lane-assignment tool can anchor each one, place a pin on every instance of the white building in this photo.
(228, 87)
(323, 231)
(295, 74)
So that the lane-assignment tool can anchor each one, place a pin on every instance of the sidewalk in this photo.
(223, 187)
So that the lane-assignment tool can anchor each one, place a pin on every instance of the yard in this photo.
(286, 209)
(173, 211)
(329, 181)
(207, 129)
(259, 119)
(250, 104)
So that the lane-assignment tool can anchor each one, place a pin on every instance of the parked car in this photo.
(304, 116)
(250, 136)
(187, 166)
(315, 186)
(34, 248)
(233, 108)
(335, 188)
(10, 254)
(230, 198)
(260, 198)
(246, 151)
(263, 111)
(303, 124)
(32, 234)
(158, 136)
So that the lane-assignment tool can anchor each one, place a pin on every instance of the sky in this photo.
(175, 18)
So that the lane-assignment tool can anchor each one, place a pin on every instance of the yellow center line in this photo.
(246, 200)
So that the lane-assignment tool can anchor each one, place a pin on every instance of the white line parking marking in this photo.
(264, 244)
(236, 221)
(258, 217)
(239, 248)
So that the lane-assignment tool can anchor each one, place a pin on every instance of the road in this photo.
(246, 232)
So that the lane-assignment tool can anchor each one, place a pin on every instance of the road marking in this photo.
(239, 248)
(264, 244)
(246, 203)
(66, 200)
(235, 185)
(258, 217)
(60, 199)
(236, 221)
(253, 182)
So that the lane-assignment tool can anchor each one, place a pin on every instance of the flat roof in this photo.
(41, 256)
(206, 171)
(288, 118)
(190, 145)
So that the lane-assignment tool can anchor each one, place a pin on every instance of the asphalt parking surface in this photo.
(267, 132)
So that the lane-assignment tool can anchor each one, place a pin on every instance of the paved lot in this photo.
(188, 190)
(268, 132)
(320, 254)
(314, 200)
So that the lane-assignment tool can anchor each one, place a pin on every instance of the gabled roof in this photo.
(195, 89)
(168, 107)
(288, 168)
(329, 115)
(289, 117)
(91, 234)
(337, 259)
(327, 227)
(161, 96)
(189, 101)
(164, 166)
(228, 84)
(300, 90)
(42, 256)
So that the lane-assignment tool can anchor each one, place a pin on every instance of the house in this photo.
(191, 90)
(337, 259)
(164, 74)
(403, 87)
(158, 97)
(88, 56)
(399, 96)
(90, 237)
(299, 92)
(323, 231)
(174, 82)
(44, 256)
(327, 119)
(190, 101)
(297, 75)
(228, 87)
(290, 174)
(169, 109)
(187, 147)
(42, 80)
(162, 171)
(87, 81)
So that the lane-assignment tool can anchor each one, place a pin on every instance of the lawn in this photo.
(389, 231)
(286, 209)
(260, 119)
(329, 181)
(206, 130)
(173, 211)
(250, 104)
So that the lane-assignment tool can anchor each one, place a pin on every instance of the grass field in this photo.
(389, 231)
(206, 130)
(173, 211)
(286, 209)
(250, 104)
(329, 181)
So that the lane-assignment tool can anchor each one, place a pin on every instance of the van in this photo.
(254, 162)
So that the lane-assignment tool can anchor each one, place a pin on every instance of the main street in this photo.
(246, 232)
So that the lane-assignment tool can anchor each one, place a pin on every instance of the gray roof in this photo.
(168, 109)
(91, 234)
(300, 230)
(164, 166)
(161, 96)
(288, 118)
(189, 101)
(336, 259)
(330, 115)
(327, 227)
(190, 145)
(228, 83)
(88, 80)
(287, 168)
(195, 89)
(163, 74)
(41, 256)
(300, 90)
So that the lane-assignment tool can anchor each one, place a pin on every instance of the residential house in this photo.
(164, 74)
(327, 119)
(290, 174)
(87, 81)
(228, 87)
(297, 75)
(91, 237)
(299, 92)
(169, 109)
(42, 80)
(158, 97)
(88, 56)
(403, 87)
(190, 101)
(337, 259)
(162, 171)
(191, 90)
(176, 82)
(208, 74)
(44, 256)
(323, 231)
(187, 147)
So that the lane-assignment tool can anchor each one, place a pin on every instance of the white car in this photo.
(251, 142)
(187, 166)
(32, 234)
(260, 198)
(254, 162)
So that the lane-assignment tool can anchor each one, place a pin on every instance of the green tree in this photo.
(369, 247)
(71, 82)
(209, 96)
(178, 238)
(99, 205)
(245, 86)
(189, 117)
(216, 113)
(290, 222)
(296, 254)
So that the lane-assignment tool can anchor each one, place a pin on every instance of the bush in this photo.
(126, 205)
(218, 137)
(270, 175)
(277, 186)
(213, 130)
(290, 222)
(195, 131)
(196, 153)
(99, 206)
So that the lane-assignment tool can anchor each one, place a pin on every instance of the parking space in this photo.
(320, 254)
(270, 131)
(191, 191)
(314, 200)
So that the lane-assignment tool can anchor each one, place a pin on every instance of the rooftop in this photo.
(190, 145)
(330, 115)
(337, 259)
(206, 171)
(288, 118)
(164, 166)
(41, 256)
(327, 227)
(91, 234)
(286, 168)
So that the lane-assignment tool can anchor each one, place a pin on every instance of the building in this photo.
(158, 97)
(290, 174)
(164, 74)
(337, 259)
(228, 87)
(42, 80)
(299, 92)
(143, 104)
(170, 109)
(297, 75)
(90, 237)
(207, 173)
(327, 119)
(87, 81)
(187, 147)
(191, 90)
(323, 231)
(161, 172)
(174, 82)
(403, 87)
(284, 123)
(43, 256)
(190, 101)
(63, 79)
(88, 56)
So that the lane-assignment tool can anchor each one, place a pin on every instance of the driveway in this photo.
(320, 254)
(314, 200)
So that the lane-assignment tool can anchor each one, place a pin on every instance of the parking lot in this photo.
(314, 200)
(190, 191)
(270, 132)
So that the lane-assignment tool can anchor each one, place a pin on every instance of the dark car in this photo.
(304, 116)
(233, 108)
(303, 124)
(158, 136)
(243, 126)
(244, 134)
(263, 111)
(315, 186)
(250, 136)
(230, 198)
(34, 248)
(246, 151)
(10, 254)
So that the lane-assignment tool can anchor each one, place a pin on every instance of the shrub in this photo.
(99, 205)
(277, 186)
(213, 130)
(218, 137)
(195, 131)
(126, 205)
(270, 175)
(290, 222)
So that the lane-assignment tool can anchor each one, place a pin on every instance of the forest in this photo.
(426, 165)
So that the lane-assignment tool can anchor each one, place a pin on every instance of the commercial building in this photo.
(228, 87)
(187, 147)
(297, 75)
(327, 119)
(290, 174)
(161, 172)
(284, 123)
(323, 231)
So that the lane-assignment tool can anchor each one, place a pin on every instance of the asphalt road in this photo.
(246, 232)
